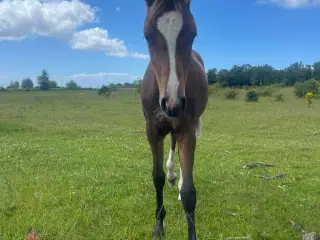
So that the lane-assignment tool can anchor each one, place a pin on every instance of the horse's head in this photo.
(170, 30)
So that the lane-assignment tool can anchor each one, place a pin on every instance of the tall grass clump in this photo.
(301, 88)
(252, 96)
(279, 97)
(231, 94)
(266, 92)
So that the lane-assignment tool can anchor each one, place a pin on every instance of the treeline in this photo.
(247, 75)
(237, 76)
(45, 83)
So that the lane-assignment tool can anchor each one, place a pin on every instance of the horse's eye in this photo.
(147, 37)
(193, 34)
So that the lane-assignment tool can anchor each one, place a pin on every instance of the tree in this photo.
(72, 85)
(223, 77)
(27, 83)
(240, 75)
(113, 87)
(261, 75)
(44, 80)
(297, 72)
(212, 76)
(137, 84)
(104, 91)
(14, 84)
(53, 84)
(316, 70)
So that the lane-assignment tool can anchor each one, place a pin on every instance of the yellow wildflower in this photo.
(309, 95)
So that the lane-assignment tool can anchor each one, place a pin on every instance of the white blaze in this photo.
(170, 25)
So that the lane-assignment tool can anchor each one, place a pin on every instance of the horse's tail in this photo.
(199, 128)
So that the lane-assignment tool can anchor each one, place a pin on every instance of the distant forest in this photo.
(247, 75)
(237, 76)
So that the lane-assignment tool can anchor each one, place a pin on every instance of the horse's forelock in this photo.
(161, 6)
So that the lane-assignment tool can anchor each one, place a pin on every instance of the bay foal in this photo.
(174, 96)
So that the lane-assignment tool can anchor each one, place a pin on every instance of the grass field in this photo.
(78, 166)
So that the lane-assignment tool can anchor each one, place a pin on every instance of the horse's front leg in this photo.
(186, 141)
(158, 174)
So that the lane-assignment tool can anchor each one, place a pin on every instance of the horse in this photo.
(174, 95)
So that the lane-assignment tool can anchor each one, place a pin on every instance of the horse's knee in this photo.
(159, 181)
(188, 198)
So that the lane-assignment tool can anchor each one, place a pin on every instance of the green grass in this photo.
(79, 167)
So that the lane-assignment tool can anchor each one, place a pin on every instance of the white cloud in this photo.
(99, 79)
(118, 9)
(292, 3)
(20, 19)
(60, 18)
(99, 39)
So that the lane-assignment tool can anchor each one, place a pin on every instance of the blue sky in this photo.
(96, 42)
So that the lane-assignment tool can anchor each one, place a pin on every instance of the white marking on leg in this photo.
(170, 166)
(199, 128)
(180, 184)
(170, 25)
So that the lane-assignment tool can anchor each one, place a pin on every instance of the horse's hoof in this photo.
(158, 232)
(172, 177)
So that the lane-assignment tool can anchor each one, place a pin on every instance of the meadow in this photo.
(75, 166)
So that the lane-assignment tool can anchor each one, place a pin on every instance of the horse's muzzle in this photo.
(173, 108)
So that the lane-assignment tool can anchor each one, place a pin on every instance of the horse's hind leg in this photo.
(187, 144)
(158, 174)
(171, 175)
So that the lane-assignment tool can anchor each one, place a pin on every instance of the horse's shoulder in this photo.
(197, 56)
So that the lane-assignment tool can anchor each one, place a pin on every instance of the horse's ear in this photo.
(187, 2)
(149, 2)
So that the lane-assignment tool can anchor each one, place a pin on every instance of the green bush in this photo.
(266, 92)
(279, 97)
(252, 96)
(213, 90)
(2, 89)
(301, 88)
(231, 94)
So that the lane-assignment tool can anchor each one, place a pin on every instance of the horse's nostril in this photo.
(183, 103)
(164, 102)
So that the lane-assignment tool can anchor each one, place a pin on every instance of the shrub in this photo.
(301, 88)
(213, 90)
(279, 97)
(266, 92)
(231, 94)
(252, 96)
(2, 89)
